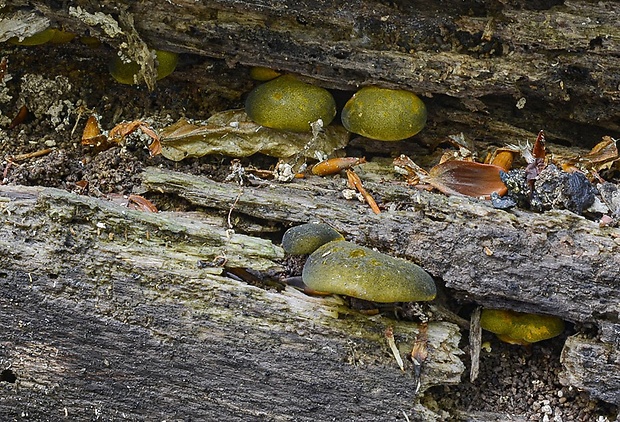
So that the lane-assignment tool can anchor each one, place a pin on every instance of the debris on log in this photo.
(557, 263)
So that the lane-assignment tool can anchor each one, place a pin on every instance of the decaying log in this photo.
(533, 65)
(130, 280)
(556, 263)
(106, 314)
(590, 363)
(159, 334)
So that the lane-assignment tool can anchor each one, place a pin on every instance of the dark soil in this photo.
(62, 85)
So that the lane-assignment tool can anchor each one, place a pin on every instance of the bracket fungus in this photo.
(287, 103)
(384, 114)
(520, 328)
(306, 238)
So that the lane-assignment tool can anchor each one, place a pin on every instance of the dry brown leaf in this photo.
(467, 178)
(233, 134)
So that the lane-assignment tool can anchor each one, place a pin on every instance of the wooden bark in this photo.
(559, 58)
(156, 334)
(106, 315)
(130, 280)
(556, 263)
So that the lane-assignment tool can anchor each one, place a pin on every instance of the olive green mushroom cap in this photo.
(348, 269)
(520, 328)
(125, 73)
(36, 39)
(384, 114)
(287, 103)
(307, 238)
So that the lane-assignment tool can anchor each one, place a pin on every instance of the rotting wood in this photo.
(526, 247)
(556, 263)
(580, 96)
(577, 357)
(533, 68)
(105, 312)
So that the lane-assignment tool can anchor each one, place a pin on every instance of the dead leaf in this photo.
(233, 134)
(467, 178)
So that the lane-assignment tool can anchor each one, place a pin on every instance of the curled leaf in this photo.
(92, 135)
(601, 157)
(504, 157)
(141, 203)
(335, 165)
(467, 178)
(233, 134)
(413, 173)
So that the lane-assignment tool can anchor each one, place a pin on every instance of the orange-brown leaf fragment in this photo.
(92, 135)
(355, 181)
(336, 165)
(467, 178)
(538, 150)
(142, 203)
(603, 152)
(413, 173)
(20, 117)
(120, 131)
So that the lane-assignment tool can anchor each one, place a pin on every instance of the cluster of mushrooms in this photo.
(336, 266)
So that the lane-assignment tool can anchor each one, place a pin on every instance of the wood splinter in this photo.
(356, 183)
(389, 335)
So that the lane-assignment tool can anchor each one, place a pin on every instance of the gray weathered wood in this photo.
(556, 263)
(105, 314)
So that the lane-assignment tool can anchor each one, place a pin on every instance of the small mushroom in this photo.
(384, 114)
(263, 74)
(306, 238)
(520, 328)
(125, 73)
(348, 269)
(287, 103)
(36, 39)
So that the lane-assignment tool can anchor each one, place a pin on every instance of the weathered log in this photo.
(131, 278)
(106, 314)
(530, 67)
(558, 64)
(578, 357)
(556, 263)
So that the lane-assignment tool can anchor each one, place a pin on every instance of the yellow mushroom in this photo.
(520, 328)
(263, 74)
(384, 114)
(348, 269)
(307, 238)
(125, 73)
(36, 39)
(287, 103)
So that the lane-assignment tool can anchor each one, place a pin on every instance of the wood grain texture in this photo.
(558, 58)
(101, 326)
